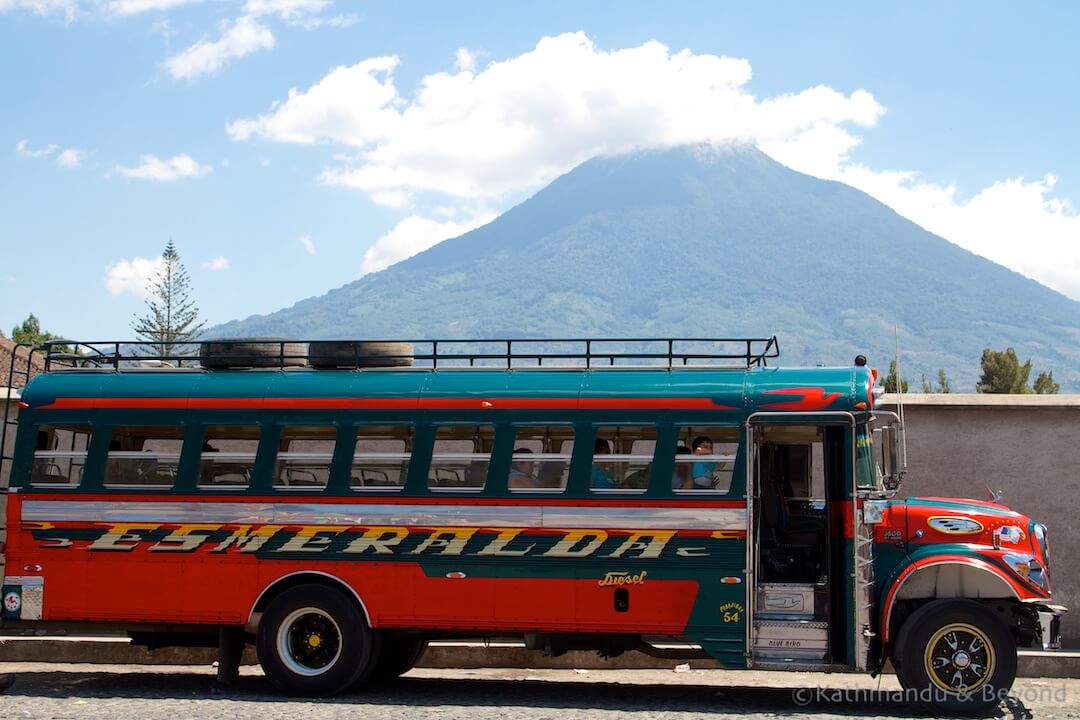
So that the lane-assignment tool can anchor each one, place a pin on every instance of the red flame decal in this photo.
(810, 398)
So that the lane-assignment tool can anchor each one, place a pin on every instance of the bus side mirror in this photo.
(892, 468)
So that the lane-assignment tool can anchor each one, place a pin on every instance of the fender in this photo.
(337, 581)
(956, 555)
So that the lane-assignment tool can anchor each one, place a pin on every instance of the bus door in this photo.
(799, 550)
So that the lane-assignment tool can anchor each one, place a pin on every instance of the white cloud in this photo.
(68, 8)
(308, 243)
(415, 234)
(352, 105)
(132, 276)
(520, 122)
(239, 37)
(217, 264)
(70, 158)
(336, 21)
(176, 167)
(132, 7)
(286, 9)
(1016, 223)
(465, 60)
(24, 149)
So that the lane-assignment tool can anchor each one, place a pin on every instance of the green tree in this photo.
(30, 332)
(926, 386)
(943, 382)
(172, 317)
(1045, 385)
(1003, 373)
(891, 380)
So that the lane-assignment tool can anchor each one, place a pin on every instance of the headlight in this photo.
(1028, 568)
(1042, 538)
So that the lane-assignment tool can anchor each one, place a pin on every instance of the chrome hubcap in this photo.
(959, 658)
(309, 641)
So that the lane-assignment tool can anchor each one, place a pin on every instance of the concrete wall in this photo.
(1026, 445)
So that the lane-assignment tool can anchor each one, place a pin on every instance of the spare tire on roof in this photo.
(252, 353)
(360, 354)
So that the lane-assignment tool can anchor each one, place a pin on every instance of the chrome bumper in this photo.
(1050, 624)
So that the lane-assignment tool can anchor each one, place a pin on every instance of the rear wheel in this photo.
(313, 641)
(398, 656)
(956, 655)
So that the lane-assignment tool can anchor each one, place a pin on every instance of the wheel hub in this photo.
(959, 658)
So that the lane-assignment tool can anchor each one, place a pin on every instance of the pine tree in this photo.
(1003, 373)
(926, 386)
(172, 318)
(892, 382)
(1045, 385)
(943, 382)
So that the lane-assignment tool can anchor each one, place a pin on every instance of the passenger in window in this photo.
(206, 467)
(601, 478)
(680, 478)
(522, 471)
(703, 473)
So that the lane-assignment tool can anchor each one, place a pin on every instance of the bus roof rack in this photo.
(279, 354)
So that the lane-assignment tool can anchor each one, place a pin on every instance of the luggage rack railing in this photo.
(281, 354)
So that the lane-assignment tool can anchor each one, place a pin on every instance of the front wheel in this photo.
(313, 641)
(956, 655)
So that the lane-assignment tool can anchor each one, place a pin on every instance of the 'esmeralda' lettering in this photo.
(344, 541)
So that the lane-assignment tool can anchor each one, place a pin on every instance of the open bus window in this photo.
(227, 459)
(461, 457)
(143, 456)
(381, 457)
(622, 458)
(60, 454)
(705, 459)
(541, 459)
(303, 459)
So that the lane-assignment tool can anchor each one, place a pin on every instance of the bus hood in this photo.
(933, 520)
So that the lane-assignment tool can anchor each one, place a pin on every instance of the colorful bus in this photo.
(341, 504)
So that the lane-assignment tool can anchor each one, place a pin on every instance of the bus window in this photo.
(461, 456)
(228, 456)
(622, 458)
(541, 458)
(60, 454)
(303, 459)
(705, 459)
(381, 457)
(143, 456)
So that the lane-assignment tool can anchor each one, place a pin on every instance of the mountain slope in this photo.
(706, 242)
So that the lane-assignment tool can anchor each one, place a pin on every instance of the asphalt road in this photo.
(179, 693)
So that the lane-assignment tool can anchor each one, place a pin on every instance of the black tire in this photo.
(252, 353)
(398, 656)
(358, 354)
(956, 655)
(313, 641)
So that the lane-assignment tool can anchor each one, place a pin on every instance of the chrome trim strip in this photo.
(359, 513)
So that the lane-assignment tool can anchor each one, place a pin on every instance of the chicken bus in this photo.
(341, 504)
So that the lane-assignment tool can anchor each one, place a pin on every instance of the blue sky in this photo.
(289, 146)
